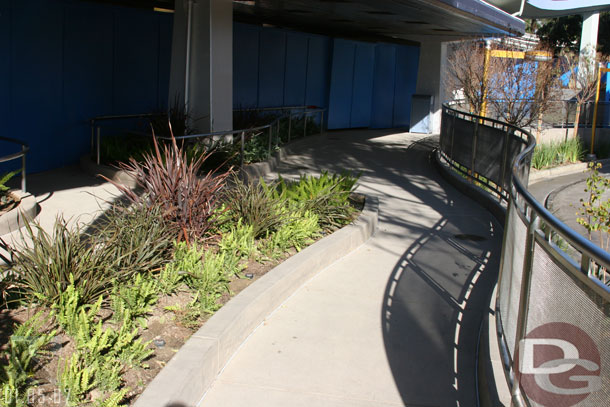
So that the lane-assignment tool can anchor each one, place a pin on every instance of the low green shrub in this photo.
(254, 204)
(298, 232)
(238, 241)
(554, 154)
(327, 196)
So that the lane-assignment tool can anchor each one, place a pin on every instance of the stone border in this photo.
(13, 220)
(541, 175)
(115, 174)
(189, 374)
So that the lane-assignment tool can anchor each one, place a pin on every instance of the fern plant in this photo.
(297, 233)
(239, 241)
(25, 345)
(134, 301)
(327, 196)
(76, 378)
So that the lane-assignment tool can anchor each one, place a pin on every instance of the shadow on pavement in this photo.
(433, 307)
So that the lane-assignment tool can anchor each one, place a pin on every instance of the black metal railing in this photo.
(286, 115)
(21, 154)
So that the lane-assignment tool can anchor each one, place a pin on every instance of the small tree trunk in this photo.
(576, 121)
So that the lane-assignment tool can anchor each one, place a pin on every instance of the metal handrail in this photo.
(304, 111)
(542, 226)
(24, 150)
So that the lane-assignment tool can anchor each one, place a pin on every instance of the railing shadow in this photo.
(432, 310)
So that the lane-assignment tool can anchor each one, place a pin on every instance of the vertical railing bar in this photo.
(242, 148)
(92, 151)
(99, 140)
(289, 124)
(270, 137)
(524, 296)
(23, 174)
(322, 122)
(304, 124)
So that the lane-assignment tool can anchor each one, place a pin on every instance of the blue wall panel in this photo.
(272, 68)
(341, 85)
(407, 62)
(318, 71)
(245, 65)
(383, 86)
(5, 66)
(364, 69)
(36, 77)
(63, 62)
(87, 72)
(295, 80)
(136, 62)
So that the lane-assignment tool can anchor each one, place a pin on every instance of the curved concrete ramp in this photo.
(396, 322)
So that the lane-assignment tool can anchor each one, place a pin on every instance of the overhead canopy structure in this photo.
(550, 8)
(388, 20)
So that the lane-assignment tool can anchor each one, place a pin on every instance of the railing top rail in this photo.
(124, 116)
(308, 110)
(24, 149)
(575, 239)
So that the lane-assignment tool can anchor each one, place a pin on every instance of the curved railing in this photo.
(549, 296)
(271, 130)
(15, 156)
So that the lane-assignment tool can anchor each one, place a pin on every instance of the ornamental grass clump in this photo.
(172, 181)
(42, 271)
(254, 204)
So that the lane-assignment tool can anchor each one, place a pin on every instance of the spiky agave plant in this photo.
(172, 181)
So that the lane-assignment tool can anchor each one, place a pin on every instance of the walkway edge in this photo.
(189, 374)
(15, 219)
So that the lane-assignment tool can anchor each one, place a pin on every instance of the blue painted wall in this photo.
(275, 67)
(362, 84)
(371, 84)
(63, 62)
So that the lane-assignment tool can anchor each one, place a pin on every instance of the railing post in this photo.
(289, 124)
(526, 279)
(92, 122)
(242, 149)
(321, 122)
(23, 175)
(99, 140)
(304, 124)
(270, 137)
(278, 138)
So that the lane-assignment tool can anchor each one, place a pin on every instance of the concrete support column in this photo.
(588, 38)
(432, 62)
(202, 62)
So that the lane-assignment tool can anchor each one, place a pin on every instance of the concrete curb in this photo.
(493, 384)
(189, 374)
(541, 175)
(116, 175)
(13, 220)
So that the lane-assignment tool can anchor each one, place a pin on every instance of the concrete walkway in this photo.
(69, 193)
(394, 323)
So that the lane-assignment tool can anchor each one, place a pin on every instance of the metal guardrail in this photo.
(548, 287)
(272, 129)
(21, 154)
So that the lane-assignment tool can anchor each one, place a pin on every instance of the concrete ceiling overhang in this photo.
(383, 20)
(551, 8)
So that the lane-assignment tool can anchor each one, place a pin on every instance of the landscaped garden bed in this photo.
(90, 316)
